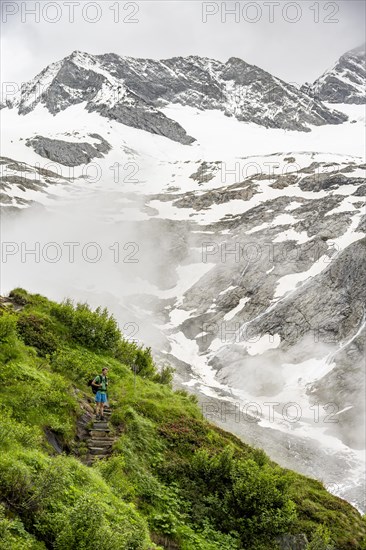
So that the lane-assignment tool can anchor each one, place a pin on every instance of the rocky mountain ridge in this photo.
(345, 82)
(132, 91)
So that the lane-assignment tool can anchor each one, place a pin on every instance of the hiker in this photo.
(101, 382)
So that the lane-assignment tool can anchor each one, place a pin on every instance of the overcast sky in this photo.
(296, 41)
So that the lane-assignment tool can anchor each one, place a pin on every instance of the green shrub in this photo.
(9, 345)
(20, 296)
(207, 539)
(74, 506)
(163, 522)
(96, 330)
(165, 376)
(8, 324)
(9, 352)
(261, 503)
(68, 505)
(63, 312)
(321, 540)
(37, 398)
(36, 331)
(185, 433)
(13, 535)
(15, 480)
(114, 472)
(13, 432)
(256, 497)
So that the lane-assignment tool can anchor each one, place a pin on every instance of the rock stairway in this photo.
(100, 442)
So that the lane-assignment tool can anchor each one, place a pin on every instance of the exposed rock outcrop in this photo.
(69, 153)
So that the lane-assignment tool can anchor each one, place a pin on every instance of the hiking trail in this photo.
(100, 441)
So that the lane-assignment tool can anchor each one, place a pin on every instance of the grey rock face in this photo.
(272, 102)
(235, 87)
(70, 85)
(329, 306)
(312, 217)
(132, 90)
(205, 172)
(345, 82)
(362, 225)
(360, 191)
(69, 153)
(345, 385)
(321, 182)
(219, 196)
(144, 118)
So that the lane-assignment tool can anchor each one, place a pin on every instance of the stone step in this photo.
(100, 442)
(100, 433)
(107, 437)
(98, 424)
(100, 451)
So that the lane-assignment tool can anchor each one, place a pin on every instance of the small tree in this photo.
(144, 363)
(165, 376)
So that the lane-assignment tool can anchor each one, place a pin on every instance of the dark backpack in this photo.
(90, 383)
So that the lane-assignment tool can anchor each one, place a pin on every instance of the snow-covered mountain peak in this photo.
(235, 87)
(345, 82)
(79, 54)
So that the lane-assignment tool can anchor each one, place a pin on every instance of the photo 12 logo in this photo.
(270, 411)
(92, 172)
(70, 252)
(72, 12)
(274, 253)
(270, 12)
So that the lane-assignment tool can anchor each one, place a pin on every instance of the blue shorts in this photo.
(100, 397)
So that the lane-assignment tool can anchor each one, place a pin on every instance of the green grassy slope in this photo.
(173, 480)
